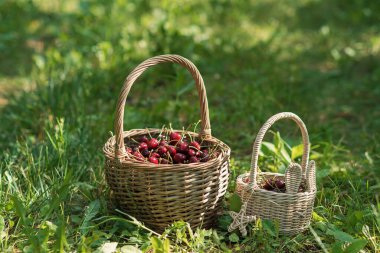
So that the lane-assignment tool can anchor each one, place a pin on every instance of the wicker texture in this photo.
(292, 209)
(161, 194)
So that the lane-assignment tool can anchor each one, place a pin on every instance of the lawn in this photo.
(62, 65)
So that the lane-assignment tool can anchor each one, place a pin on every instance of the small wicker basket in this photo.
(159, 194)
(292, 209)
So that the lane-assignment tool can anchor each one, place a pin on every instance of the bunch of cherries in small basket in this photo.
(275, 184)
(170, 148)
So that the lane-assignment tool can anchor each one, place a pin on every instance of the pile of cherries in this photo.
(172, 148)
(275, 184)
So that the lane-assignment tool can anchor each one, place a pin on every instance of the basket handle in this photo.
(260, 136)
(205, 131)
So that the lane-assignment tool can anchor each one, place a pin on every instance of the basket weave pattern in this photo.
(292, 209)
(161, 194)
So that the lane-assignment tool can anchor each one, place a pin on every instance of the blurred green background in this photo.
(67, 60)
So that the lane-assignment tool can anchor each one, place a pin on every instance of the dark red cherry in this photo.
(153, 160)
(144, 139)
(172, 150)
(153, 143)
(162, 150)
(145, 152)
(205, 158)
(164, 161)
(138, 156)
(174, 136)
(191, 152)
(205, 151)
(163, 143)
(179, 158)
(279, 183)
(193, 159)
(143, 146)
(129, 150)
(183, 147)
(154, 154)
(195, 145)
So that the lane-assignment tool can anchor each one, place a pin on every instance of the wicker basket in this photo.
(292, 209)
(159, 194)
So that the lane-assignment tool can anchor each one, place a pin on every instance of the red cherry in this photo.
(269, 184)
(154, 154)
(145, 152)
(205, 159)
(268, 187)
(138, 156)
(164, 161)
(193, 159)
(152, 143)
(163, 143)
(144, 139)
(172, 150)
(279, 183)
(195, 145)
(203, 155)
(183, 147)
(179, 158)
(153, 160)
(205, 151)
(143, 146)
(162, 150)
(174, 136)
(129, 150)
(191, 152)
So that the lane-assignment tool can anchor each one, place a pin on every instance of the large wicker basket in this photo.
(159, 194)
(292, 209)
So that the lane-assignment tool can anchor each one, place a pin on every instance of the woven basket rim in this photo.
(109, 150)
(239, 180)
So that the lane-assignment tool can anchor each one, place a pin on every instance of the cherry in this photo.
(193, 159)
(152, 143)
(162, 150)
(138, 156)
(144, 139)
(154, 154)
(164, 161)
(163, 143)
(269, 184)
(179, 158)
(153, 160)
(145, 152)
(174, 136)
(172, 150)
(246, 180)
(143, 146)
(205, 158)
(279, 183)
(129, 150)
(183, 147)
(205, 151)
(195, 145)
(191, 152)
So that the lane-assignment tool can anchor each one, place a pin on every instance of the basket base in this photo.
(206, 223)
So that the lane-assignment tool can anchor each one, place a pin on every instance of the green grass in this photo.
(62, 64)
